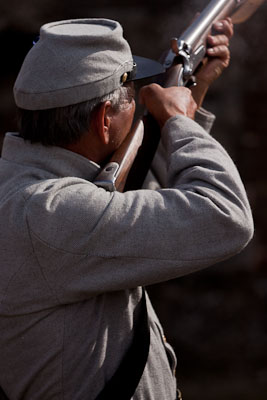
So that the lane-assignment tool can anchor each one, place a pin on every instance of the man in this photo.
(74, 256)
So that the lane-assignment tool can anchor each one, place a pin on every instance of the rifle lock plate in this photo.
(107, 177)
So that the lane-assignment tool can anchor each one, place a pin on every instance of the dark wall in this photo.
(216, 319)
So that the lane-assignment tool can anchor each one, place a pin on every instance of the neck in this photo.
(90, 149)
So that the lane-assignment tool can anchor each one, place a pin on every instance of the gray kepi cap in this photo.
(75, 61)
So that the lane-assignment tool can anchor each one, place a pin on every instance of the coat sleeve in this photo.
(157, 176)
(89, 241)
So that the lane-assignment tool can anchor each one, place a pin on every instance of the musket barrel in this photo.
(216, 9)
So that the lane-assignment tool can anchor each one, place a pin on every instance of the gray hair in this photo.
(65, 125)
(118, 98)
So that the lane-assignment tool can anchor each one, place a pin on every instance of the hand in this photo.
(218, 51)
(218, 58)
(164, 103)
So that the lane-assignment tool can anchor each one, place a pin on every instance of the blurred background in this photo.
(215, 319)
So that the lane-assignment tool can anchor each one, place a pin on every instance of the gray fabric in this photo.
(73, 61)
(157, 176)
(205, 119)
(73, 259)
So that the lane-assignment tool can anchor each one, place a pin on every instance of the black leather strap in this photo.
(124, 382)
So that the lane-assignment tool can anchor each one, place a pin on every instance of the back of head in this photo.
(74, 65)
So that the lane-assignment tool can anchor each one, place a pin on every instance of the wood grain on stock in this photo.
(145, 155)
(126, 153)
(246, 11)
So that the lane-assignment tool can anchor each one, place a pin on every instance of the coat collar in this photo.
(53, 159)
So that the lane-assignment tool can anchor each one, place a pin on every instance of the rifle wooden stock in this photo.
(181, 61)
(113, 176)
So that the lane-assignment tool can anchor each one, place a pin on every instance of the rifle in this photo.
(185, 56)
(114, 175)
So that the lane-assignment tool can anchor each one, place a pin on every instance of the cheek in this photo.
(123, 123)
(128, 118)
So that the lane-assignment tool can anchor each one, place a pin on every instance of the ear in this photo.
(102, 121)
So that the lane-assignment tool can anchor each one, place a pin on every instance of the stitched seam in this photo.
(116, 71)
(39, 265)
(53, 293)
(11, 279)
(121, 257)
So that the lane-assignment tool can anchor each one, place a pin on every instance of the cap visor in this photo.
(147, 68)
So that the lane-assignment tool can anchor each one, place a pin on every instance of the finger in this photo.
(218, 40)
(142, 93)
(149, 92)
(221, 52)
(224, 27)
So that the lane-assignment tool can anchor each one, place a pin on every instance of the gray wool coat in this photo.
(74, 258)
